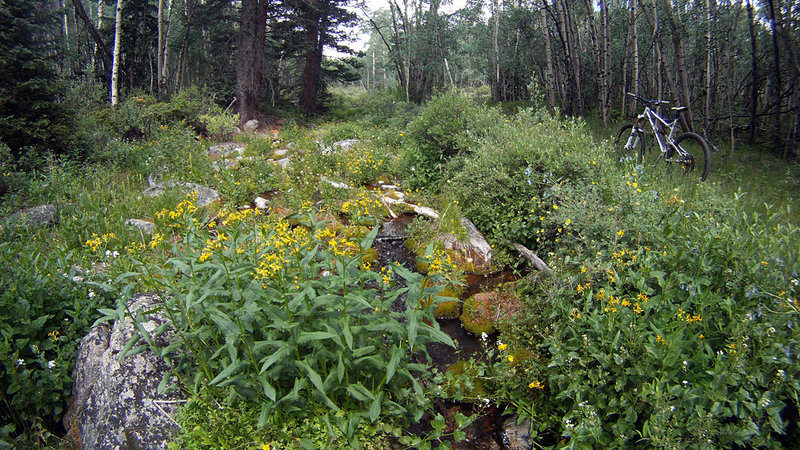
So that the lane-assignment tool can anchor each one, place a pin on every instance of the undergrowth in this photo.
(670, 318)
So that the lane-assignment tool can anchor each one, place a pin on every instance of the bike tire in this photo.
(697, 147)
(621, 139)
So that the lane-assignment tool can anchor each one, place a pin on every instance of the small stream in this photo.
(485, 433)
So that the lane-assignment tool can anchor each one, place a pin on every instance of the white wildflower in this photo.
(51, 364)
(20, 362)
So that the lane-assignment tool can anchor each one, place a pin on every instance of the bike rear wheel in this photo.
(623, 135)
(697, 162)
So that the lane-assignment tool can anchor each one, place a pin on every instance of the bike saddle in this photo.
(680, 108)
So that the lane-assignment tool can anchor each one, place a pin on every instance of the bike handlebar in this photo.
(650, 102)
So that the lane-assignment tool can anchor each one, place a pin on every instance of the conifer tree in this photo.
(31, 114)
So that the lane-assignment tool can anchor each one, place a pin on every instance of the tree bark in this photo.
(709, 56)
(115, 61)
(165, 63)
(312, 72)
(776, 87)
(683, 93)
(606, 78)
(496, 94)
(754, 79)
(160, 51)
(634, 28)
(87, 21)
(250, 59)
(551, 73)
(598, 58)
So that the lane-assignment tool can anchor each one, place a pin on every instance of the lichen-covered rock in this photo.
(250, 126)
(341, 146)
(37, 216)
(476, 249)
(143, 225)
(205, 195)
(517, 434)
(225, 150)
(115, 404)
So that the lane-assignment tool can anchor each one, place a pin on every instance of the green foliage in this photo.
(207, 424)
(694, 356)
(31, 109)
(47, 308)
(220, 126)
(446, 126)
(286, 317)
(514, 181)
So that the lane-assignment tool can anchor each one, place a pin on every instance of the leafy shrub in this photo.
(695, 357)
(220, 126)
(513, 182)
(447, 125)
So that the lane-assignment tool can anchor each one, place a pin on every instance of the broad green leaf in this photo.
(359, 352)
(269, 390)
(359, 392)
(375, 408)
(232, 369)
(393, 362)
(308, 336)
(273, 358)
(370, 238)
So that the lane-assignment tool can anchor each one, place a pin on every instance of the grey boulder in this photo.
(115, 403)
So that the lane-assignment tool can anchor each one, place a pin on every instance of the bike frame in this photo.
(656, 124)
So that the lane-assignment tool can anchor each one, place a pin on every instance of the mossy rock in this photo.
(463, 378)
(482, 312)
(447, 310)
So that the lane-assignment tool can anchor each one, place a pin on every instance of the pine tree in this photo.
(31, 114)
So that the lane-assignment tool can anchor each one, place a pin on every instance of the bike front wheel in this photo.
(695, 161)
(636, 150)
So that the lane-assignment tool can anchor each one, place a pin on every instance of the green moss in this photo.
(447, 310)
(483, 311)
(462, 380)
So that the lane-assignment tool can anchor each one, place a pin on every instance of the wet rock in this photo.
(143, 225)
(205, 195)
(250, 126)
(115, 403)
(37, 216)
(516, 434)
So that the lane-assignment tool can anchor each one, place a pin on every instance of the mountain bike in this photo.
(688, 152)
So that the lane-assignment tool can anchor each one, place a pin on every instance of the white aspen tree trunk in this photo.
(606, 61)
(707, 109)
(634, 26)
(551, 73)
(65, 30)
(115, 60)
(160, 51)
(165, 64)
